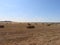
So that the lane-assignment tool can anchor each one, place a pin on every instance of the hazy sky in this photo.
(30, 10)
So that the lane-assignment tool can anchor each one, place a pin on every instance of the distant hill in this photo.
(5, 21)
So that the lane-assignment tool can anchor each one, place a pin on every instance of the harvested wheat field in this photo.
(29, 33)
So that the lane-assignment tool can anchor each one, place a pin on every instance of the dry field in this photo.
(29, 34)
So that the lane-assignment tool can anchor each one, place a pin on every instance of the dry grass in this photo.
(30, 34)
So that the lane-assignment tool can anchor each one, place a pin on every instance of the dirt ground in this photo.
(30, 34)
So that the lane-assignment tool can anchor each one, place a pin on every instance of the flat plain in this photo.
(29, 33)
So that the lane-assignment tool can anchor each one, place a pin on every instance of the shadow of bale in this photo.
(1, 26)
(30, 27)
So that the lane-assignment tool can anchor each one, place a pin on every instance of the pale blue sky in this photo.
(30, 10)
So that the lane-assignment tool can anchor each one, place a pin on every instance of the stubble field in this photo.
(29, 33)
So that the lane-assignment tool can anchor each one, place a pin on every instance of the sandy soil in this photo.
(24, 34)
